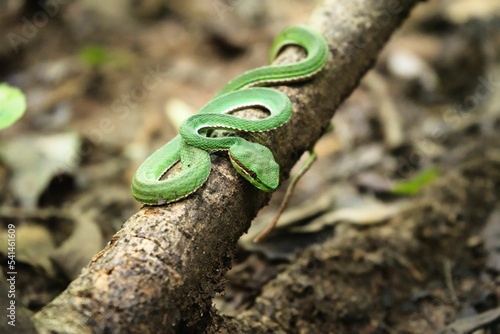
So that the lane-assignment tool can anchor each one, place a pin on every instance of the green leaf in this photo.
(95, 55)
(98, 56)
(413, 185)
(12, 105)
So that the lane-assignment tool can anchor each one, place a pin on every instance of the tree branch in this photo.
(162, 269)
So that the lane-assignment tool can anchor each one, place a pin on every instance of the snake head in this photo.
(255, 163)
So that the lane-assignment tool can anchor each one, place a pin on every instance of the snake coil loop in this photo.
(255, 162)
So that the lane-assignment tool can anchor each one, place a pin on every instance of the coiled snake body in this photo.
(253, 161)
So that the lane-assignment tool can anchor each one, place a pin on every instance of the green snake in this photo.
(253, 161)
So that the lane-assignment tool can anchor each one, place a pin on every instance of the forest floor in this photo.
(107, 83)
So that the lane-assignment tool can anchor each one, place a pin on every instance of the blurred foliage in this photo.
(413, 185)
(98, 56)
(12, 105)
(95, 55)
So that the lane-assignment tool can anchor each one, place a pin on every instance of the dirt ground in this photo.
(414, 148)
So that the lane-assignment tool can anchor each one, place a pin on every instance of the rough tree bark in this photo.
(160, 272)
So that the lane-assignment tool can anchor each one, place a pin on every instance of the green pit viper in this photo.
(253, 161)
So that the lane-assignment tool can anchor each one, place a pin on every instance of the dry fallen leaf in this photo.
(34, 244)
(34, 161)
(366, 213)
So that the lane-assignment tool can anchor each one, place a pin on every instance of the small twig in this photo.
(289, 191)
(449, 279)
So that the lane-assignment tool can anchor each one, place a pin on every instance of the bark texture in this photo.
(160, 272)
